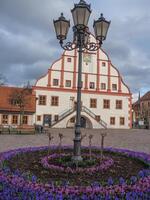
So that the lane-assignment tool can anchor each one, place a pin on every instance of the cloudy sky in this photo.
(28, 45)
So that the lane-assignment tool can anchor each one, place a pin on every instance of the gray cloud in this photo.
(28, 45)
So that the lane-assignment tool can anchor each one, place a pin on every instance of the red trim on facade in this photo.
(109, 79)
(62, 72)
(86, 82)
(84, 91)
(121, 78)
(83, 73)
(130, 111)
(98, 71)
(49, 77)
(119, 84)
(75, 69)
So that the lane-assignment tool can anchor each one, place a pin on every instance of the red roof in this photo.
(6, 95)
(146, 96)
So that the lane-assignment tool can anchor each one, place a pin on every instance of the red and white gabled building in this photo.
(106, 99)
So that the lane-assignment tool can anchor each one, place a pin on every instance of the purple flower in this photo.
(110, 181)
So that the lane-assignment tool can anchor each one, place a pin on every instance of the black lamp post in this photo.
(81, 13)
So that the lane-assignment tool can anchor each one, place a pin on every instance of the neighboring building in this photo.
(17, 107)
(106, 99)
(141, 110)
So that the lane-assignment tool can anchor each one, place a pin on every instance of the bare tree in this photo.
(20, 98)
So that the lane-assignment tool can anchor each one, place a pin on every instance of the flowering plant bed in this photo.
(22, 176)
(99, 166)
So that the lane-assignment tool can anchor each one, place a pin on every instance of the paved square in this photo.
(138, 140)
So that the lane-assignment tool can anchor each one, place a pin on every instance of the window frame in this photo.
(106, 105)
(41, 101)
(94, 103)
(67, 81)
(92, 85)
(122, 124)
(25, 120)
(54, 102)
(38, 118)
(5, 120)
(103, 88)
(118, 104)
(112, 120)
(14, 121)
(57, 82)
(114, 89)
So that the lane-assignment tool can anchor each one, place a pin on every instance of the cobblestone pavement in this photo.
(138, 140)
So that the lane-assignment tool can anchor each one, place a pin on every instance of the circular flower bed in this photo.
(104, 165)
(17, 185)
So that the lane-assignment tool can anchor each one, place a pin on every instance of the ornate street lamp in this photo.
(81, 14)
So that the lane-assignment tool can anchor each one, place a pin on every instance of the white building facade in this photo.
(106, 99)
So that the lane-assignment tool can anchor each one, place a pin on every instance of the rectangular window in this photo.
(103, 64)
(38, 117)
(68, 59)
(118, 104)
(54, 101)
(56, 117)
(114, 87)
(92, 85)
(112, 121)
(103, 86)
(42, 100)
(14, 119)
(106, 103)
(4, 119)
(68, 83)
(122, 121)
(98, 118)
(25, 119)
(93, 103)
(55, 82)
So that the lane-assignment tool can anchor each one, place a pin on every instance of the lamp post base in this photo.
(77, 150)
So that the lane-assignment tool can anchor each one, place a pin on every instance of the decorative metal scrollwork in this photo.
(91, 46)
(69, 46)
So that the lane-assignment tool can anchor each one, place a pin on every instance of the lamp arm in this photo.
(92, 46)
(69, 46)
